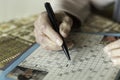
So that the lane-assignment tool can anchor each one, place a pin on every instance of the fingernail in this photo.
(59, 42)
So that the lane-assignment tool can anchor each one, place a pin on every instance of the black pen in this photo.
(55, 25)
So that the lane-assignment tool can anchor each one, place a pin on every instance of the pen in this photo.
(55, 26)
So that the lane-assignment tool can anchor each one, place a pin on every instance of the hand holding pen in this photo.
(55, 26)
(46, 36)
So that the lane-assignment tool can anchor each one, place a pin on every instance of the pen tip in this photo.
(69, 59)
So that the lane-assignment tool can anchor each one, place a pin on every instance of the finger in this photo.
(52, 47)
(56, 47)
(64, 29)
(116, 61)
(115, 53)
(111, 46)
(41, 38)
(45, 42)
(65, 26)
(53, 35)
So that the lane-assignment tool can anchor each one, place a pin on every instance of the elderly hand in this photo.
(45, 34)
(113, 51)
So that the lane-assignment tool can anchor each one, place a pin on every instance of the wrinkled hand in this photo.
(113, 51)
(45, 34)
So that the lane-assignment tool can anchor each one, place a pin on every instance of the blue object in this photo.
(103, 33)
(4, 73)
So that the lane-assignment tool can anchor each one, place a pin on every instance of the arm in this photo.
(78, 8)
(63, 9)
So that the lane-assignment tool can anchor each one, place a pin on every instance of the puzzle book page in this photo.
(89, 62)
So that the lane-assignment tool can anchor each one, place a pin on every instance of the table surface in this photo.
(19, 32)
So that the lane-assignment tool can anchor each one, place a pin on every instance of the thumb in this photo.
(112, 46)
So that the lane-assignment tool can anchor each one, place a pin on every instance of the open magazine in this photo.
(10, 48)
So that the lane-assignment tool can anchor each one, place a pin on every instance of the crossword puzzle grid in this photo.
(89, 62)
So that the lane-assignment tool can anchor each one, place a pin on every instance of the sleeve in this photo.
(78, 8)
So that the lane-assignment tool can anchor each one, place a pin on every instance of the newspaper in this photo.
(89, 62)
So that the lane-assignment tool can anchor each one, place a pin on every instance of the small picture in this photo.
(109, 39)
(20, 73)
